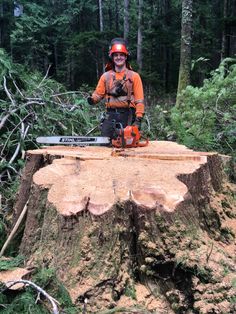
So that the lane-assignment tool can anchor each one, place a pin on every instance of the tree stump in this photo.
(144, 230)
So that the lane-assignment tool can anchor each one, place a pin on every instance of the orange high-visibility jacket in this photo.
(131, 81)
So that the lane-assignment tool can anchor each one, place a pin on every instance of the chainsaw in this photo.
(127, 137)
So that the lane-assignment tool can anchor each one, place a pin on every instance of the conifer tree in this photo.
(185, 50)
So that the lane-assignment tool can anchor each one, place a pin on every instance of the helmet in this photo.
(118, 45)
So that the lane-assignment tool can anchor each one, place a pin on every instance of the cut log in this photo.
(144, 229)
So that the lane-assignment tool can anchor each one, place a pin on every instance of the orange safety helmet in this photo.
(118, 45)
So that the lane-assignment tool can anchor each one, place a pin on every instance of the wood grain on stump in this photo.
(96, 178)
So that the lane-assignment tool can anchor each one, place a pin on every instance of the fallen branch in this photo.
(59, 123)
(7, 91)
(23, 135)
(46, 75)
(13, 232)
(4, 119)
(83, 94)
(148, 123)
(12, 168)
(39, 289)
(4, 146)
(17, 88)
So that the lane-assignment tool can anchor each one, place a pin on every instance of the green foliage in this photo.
(55, 32)
(44, 276)
(30, 35)
(46, 279)
(24, 301)
(233, 282)
(5, 63)
(207, 21)
(205, 118)
(130, 291)
(2, 230)
(11, 263)
(156, 123)
(8, 190)
(38, 106)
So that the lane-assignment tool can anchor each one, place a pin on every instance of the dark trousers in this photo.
(115, 117)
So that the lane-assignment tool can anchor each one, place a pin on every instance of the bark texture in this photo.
(146, 230)
(185, 50)
(126, 19)
(140, 36)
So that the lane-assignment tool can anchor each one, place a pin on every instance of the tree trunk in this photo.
(185, 51)
(1, 25)
(101, 30)
(137, 230)
(167, 50)
(100, 16)
(126, 19)
(223, 42)
(231, 29)
(55, 54)
(110, 15)
(71, 72)
(117, 15)
(140, 35)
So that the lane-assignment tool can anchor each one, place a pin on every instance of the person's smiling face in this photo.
(119, 59)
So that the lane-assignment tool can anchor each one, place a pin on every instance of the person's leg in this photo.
(125, 118)
(108, 125)
(107, 128)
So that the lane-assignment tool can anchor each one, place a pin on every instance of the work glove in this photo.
(90, 100)
(138, 122)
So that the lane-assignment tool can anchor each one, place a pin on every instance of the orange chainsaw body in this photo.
(129, 137)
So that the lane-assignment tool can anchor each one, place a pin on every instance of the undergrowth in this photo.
(205, 118)
(29, 301)
(11, 263)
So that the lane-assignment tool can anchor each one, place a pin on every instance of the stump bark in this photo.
(144, 230)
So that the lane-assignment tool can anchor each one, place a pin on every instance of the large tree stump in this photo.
(150, 229)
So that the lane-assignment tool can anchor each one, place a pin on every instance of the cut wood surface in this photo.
(96, 178)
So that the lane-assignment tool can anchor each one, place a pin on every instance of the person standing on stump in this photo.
(122, 89)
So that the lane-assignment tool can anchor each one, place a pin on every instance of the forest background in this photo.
(52, 54)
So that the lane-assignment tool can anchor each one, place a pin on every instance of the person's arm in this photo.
(138, 96)
(99, 92)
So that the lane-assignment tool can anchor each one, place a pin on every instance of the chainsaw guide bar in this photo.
(73, 140)
(125, 138)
